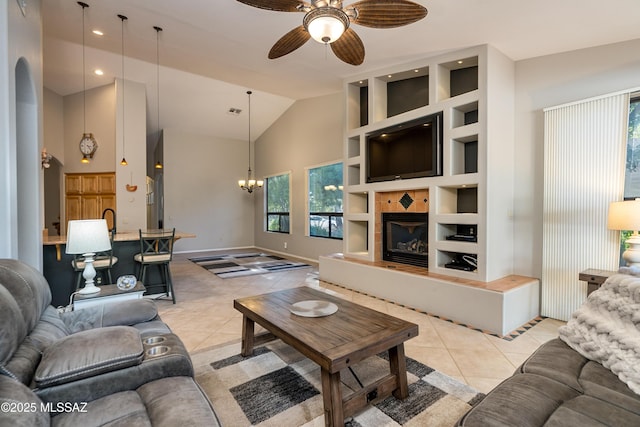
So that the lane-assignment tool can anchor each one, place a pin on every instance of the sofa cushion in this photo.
(28, 287)
(10, 337)
(586, 411)
(167, 402)
(556, 360)
(127, 313)
(89, 353)
(598, 381)
(25, 359)
(523, 400)
(20, 406)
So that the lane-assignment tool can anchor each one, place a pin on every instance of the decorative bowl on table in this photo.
(126, 282)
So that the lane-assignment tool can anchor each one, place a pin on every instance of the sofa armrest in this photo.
(89, 353)
(123, 313)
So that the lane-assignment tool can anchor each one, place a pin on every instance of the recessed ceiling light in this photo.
(416, 71)
(460, 62)
(98, 33)
(361, 82)
(389, 76)
(99, 72)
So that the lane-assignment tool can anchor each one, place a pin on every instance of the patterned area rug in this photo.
(236, 265)
(277, 386)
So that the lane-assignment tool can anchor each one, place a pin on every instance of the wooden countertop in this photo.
(121, 236)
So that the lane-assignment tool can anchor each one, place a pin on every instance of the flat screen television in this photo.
(408, 150)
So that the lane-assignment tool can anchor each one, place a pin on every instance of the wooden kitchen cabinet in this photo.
(88, 195)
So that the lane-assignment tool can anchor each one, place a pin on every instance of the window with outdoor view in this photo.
(632, 175)
(278, 203)
(325, 201)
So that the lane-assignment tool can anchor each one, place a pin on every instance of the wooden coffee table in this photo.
(334, 342)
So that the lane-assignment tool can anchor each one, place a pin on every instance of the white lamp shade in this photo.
(87, 236)
(326, 29)
(624, 215)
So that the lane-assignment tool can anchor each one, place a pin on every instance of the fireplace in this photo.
(405, 238)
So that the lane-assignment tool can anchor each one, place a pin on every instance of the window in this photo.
(325, 201)
(278, 203)
(632, 172)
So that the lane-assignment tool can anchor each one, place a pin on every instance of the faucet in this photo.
(113, 213)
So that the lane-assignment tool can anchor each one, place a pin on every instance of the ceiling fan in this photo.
(327, 21)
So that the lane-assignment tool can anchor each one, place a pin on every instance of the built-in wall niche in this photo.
(353, 147)
(358, 108)
(464, 155)
(464, 115)
(457, 77)
(358, 241)
(461, 261)
(358, 202)
(458, 200)
(353, 174)
(405, 91)
(457, 232)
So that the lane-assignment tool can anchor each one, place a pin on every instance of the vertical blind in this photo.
(584, 168)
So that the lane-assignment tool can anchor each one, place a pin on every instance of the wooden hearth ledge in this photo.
(498, 307)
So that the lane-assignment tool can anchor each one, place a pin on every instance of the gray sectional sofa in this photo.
(586, 377)
(115, 364)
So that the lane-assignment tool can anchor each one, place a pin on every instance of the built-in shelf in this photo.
(464, 115)
(353, 147)
(473, 88)
(353, 174)
(358, 202)
(455, 84)
(357, 236)
(464, 155)
(457, 77)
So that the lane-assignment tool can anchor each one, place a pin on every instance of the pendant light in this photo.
(158, 29)
(123, 162)
(88, 144)
(250, 184)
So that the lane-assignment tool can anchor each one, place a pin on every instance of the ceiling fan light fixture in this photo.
(326, 24)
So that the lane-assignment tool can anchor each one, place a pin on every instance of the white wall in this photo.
(130, 205)
(53, 117)
(544, 82)
(201, 193)
(100, 121)
(309, 133)
(21, 194)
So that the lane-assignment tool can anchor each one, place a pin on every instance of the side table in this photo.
(108, 293)
(595, 278)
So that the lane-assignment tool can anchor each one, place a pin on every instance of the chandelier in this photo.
(250, 184)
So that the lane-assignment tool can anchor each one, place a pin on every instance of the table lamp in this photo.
(626, 216)
(87, 237)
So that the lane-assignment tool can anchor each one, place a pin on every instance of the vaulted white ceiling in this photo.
(212, 51)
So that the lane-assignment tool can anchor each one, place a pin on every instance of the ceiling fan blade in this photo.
(349, 48)
(386, 13)
(278, 5)
(289, 42)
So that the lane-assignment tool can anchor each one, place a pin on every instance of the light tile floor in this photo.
(204, 317)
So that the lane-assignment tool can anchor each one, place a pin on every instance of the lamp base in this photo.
(89, 289)
(632, 254)
(89, 273)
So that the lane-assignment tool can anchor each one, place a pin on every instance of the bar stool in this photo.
(156, 248)
(103, 261)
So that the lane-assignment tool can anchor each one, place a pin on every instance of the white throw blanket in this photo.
(606, 328)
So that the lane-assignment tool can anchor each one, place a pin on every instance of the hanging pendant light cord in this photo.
(249, 112)
(158, 29)
(84, 77)
(123, 162)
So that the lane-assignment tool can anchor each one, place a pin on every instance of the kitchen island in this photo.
(62, 279)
